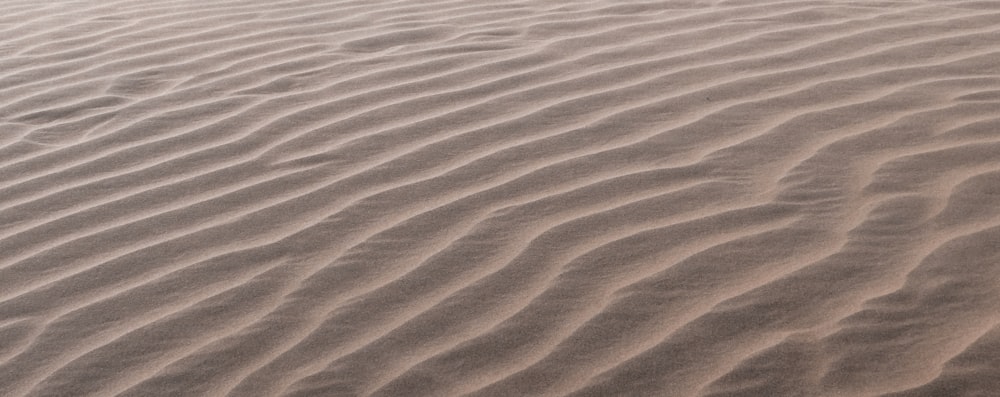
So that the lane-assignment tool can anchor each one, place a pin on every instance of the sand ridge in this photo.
(515, 198)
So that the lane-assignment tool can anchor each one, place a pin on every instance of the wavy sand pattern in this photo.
(515, 198)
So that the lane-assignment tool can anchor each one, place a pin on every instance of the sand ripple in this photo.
(517, 198)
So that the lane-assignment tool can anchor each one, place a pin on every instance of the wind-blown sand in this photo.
(514, 198)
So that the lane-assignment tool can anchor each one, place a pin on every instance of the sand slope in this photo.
(514, 198)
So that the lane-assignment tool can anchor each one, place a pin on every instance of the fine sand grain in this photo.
(499, 198)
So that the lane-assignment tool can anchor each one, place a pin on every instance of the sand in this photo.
(499, 198)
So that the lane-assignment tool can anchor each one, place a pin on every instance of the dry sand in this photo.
(514, 198)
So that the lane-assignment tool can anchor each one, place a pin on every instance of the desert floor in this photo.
(499, 198)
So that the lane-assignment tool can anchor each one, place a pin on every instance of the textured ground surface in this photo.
(499, 198)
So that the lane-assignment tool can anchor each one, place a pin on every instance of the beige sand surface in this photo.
(499, 198)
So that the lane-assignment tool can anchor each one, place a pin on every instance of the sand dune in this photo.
(516, 198)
